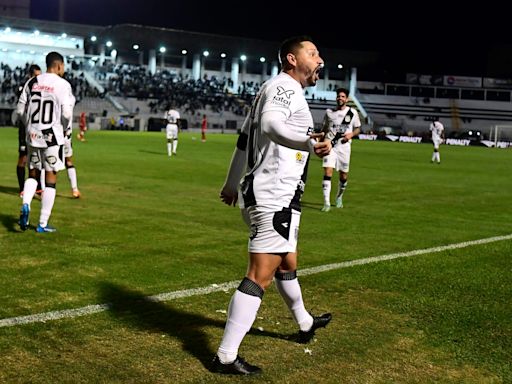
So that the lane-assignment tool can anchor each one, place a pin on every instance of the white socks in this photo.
(292, 295)
(326, 189)
(241, 315)
(72, 178)
(169, 149)
(29, 190)
(42, 181)
(47, 200)
(174, 145)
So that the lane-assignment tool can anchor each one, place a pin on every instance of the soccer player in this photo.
(46, 106)
(273, 150)
(437, 130)
(204, 127)
(340, 126)
(82, 126)
(33, 70)
(173, 121)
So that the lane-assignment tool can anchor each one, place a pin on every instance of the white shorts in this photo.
(68, 147)
(339, 158)
(437, 143)
(273, 232)
(172, 131)
(49, 159)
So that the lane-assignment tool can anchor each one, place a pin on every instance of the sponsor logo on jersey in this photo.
(288, 93)
(41, 87)
(339, 128)
(48, 137)
(283, 97)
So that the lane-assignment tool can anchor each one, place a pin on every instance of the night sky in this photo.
(414, 35)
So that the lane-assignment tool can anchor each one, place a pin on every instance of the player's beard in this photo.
(312, 76)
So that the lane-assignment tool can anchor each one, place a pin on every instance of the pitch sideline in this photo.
(91, 309)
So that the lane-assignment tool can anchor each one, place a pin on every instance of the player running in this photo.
(340, 126)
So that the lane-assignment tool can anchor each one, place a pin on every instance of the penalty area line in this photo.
(91, 309)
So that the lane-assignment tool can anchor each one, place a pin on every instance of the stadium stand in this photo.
(119, 89)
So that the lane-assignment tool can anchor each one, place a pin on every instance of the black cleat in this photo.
(318, 322)
(237, 367)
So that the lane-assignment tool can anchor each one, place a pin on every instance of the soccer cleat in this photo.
(25, 211)
(47, 229)
(76, 194)
(237, 367)
(339, 202)
(318, 322)
(326, 208)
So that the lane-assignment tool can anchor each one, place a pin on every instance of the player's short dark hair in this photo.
(53, 58)
(291, 45)
(32, 69)
(341, 89)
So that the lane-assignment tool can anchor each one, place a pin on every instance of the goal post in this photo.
(500, 132)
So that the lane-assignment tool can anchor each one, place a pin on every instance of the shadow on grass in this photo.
(136, 309)
(306, 204)
(9, 190)
(161, 153)
(10, 223)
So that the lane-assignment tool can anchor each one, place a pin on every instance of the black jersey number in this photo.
(43, 112)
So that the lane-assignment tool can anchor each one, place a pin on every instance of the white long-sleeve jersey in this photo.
(278, 146)
(46, 106)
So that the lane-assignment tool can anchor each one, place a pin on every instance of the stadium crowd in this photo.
(185, 93)
(12, 79)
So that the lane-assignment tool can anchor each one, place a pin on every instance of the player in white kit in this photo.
(171, 130)
(272, 151)
(340, 126)
(49, 108)
(437, 130)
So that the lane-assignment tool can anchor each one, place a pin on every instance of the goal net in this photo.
(500, 133)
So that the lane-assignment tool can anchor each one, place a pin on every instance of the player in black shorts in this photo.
(33, 70)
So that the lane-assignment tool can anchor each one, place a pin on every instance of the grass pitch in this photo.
(148, 224)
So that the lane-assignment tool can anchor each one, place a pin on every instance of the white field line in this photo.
(90, 309)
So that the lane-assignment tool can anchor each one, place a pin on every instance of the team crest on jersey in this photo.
(347, 118)
(52, 160)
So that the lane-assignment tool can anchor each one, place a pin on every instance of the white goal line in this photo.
(96, 308)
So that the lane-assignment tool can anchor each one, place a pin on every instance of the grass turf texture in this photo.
(149, 224)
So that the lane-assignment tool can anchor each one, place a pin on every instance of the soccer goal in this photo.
(500, 133)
